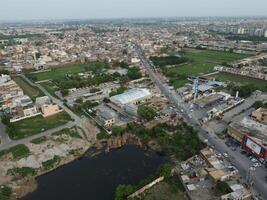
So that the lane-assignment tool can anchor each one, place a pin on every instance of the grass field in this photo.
(203, 61)
(60, 72)
(33, 92)
(50, 87)
(259, 84)
(35, 125)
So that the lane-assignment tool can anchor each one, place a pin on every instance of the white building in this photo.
(133, 96)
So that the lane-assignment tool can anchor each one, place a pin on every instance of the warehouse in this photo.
(133, 96)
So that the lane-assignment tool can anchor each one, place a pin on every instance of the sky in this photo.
(102, 9)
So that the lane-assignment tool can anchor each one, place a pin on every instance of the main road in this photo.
(239, 161)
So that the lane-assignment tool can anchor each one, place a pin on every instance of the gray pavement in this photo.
(4, 138)
(239, 161)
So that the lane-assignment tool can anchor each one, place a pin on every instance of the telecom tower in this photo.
(195, 88)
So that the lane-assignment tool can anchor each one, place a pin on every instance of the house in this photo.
(106, 118)
(50, 109)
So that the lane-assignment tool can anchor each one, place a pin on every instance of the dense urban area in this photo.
(192, 88)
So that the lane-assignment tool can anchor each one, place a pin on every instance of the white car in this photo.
(253, 160)
(257, 165)
(252, 168)
(225, 155)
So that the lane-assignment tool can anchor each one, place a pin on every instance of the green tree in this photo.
(165, 170)
(146, 112)
(134, 73)
(122, 191)
(65, 92)
(117, 131)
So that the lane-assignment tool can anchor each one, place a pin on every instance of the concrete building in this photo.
(50, 109)
(260, 115)
(106, 118)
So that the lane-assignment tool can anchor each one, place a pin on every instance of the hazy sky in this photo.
(90, 9)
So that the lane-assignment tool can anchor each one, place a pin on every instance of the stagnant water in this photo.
(96, 178)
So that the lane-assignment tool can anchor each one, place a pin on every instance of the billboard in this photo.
(253, 146)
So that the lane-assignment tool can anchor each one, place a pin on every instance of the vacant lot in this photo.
(163, 191)
(19, 151)
(60, 72)
(259, 84)
(35, 125)
(199, 62)
(33, 92)
(203, 61)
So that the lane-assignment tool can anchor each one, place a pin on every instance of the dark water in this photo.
(96, 178)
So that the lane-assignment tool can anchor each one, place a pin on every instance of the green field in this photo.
(50, 87)
(33, 92)
(259, 84)
(60, 72)
(203, 61)
(35, 125)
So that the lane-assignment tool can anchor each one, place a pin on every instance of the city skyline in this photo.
(15, 10)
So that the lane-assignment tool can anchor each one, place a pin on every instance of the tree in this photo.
(134, 73)
(117, 131)
(258, 104)
(146, 112)
(222, 188)
(123, 191)
(65, 92)
(165, 170)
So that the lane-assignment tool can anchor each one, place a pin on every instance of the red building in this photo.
(256, 148)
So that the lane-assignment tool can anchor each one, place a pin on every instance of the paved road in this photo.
(28, 139)
(4, 138)
(239, 161)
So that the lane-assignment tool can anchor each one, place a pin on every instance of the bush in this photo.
(39, 140)
(51, 163)
(23, 171)
(5, 192)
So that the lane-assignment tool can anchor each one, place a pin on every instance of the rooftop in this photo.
(131, 96)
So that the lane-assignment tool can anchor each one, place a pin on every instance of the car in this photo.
(254, 160)
(225, 155)
(257, 164)
(252, 168)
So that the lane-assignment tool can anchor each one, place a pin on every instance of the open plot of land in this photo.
(35, 125)
(163, 191)
(33, 92)
(259, 84)
(203, 61)
(60, 72)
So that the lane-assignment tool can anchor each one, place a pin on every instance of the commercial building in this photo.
(251, 135)
(106, 118)
(133, 96)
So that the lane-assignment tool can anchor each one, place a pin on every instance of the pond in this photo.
(96, 178)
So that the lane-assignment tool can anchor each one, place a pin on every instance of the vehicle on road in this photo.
(257, 165)
(252, 168)
(225, 155)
